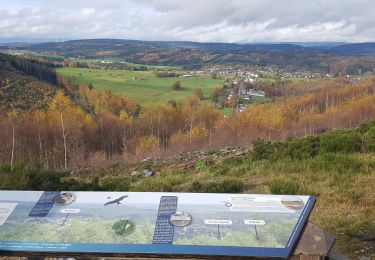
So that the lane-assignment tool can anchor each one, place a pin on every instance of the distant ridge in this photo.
(312, 56)
(354, 49)
(336, 48)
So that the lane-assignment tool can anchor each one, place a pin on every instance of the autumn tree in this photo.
(69, 117)
(124, 117)
(147, 144)
(215, 94)
(233, 100)
(13, 116)
(189, 108)
(223, 101)
(40, 119)
(208, 116)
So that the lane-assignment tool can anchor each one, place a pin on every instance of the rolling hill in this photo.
(304, 55)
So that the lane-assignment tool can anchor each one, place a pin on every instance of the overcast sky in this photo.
(192, 20)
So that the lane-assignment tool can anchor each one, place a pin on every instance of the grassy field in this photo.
(140, 86)
(136, 65)
(156, 67)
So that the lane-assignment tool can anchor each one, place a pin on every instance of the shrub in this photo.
(200, 165)
(363, 128)
(196, 186)
(45, 181)
(284, 187)
(114, 184)
(262, 149)
(225, 186)
(23, 177)
(339, 141)
(233, 161)
(369, 140)
(220, 169)
(302, 148)
(164, 183)
(339, 163)
(71, 184)
(231, 186)
(177, 85)
(15, 179)
(293, 148)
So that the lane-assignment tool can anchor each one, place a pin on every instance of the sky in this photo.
(238, 21)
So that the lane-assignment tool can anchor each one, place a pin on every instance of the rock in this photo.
(148, 172)
(189, 166)
(146, 160)
(240, 153)
(208, 161)
(134, 173)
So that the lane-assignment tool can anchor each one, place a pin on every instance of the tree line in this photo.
(38, 68)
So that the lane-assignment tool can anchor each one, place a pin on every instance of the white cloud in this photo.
(195, 20)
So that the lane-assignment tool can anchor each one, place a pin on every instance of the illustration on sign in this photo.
(164, 223)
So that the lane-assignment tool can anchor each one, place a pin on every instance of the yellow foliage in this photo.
(89, 122)
(60, 102)
(179, 138)
(63, 111)
(124, 116)
(147, 143)
(39, 116)
(12, 115)
(199, 133)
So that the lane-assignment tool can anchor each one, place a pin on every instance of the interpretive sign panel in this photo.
(142, 223)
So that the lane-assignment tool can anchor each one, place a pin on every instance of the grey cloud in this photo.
(203, 20)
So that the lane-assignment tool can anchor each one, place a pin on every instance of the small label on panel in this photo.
(254, 222)
(217, 222)
(70, 211)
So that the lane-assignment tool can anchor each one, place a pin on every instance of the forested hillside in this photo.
(79, 123)
(25, 84)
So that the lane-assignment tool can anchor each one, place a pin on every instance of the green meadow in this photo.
(142, 86)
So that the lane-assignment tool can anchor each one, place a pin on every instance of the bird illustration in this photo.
(116, 201)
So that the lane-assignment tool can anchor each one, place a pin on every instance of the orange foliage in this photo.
(99, 122)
